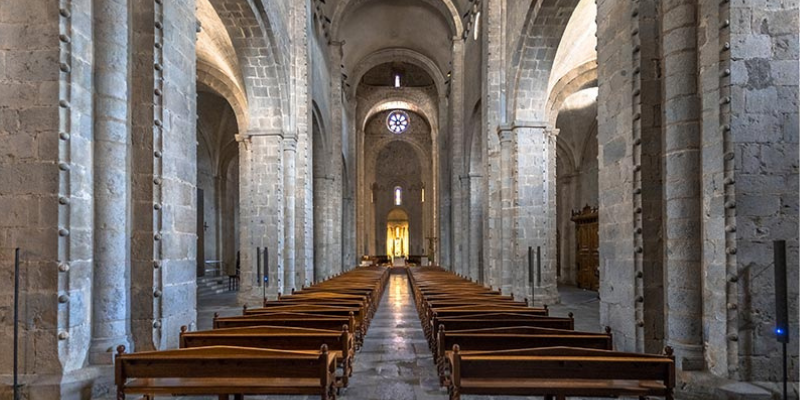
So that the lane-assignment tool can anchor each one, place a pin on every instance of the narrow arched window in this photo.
(398, 196)
(476, 32)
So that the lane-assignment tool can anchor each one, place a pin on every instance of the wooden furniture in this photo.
(587, 242)
(508, 338)
(225, 370)
(299, 320)
(340, 343)
(561, 372)
(284, 347)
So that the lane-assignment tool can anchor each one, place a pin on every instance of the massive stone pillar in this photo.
(289, 194)
(145, 265)
(334, 202)
(320, 221)
(476, 226)
(46, 193)
(629, 178)
(682, 186)
(111, 275)
(494, 82)
(504, 274)
(261, 214)
(174, 159)
(532, 215)
(460, 238)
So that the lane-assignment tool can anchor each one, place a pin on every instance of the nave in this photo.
(394, 361)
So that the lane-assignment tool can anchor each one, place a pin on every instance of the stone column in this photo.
(261, 207)
(494, 114)
(682, 188)
(289, 181)
(533, 195)
(460, 240)
(476, 226)
(334, 201)
(507, 221)
(110, 288)
(320, 224)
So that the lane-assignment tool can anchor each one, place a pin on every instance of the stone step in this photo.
(211, 291)
(205, 280)
(211, 285)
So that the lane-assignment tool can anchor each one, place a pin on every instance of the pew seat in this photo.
(560, 372)
(225, 370)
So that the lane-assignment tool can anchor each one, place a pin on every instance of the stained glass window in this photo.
(397, 122)
(398, 196)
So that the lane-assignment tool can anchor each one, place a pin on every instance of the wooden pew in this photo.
(340, 343)
(300, 320)
(225, 370)
(497, 320)
(362, 323)
(561, 372)
(509, 338)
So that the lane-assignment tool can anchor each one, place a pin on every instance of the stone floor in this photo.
(395, 362)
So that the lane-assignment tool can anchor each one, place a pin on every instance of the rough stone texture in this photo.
(175, 306)
(143, 261)
(682, 184)
(493, 83)
(31, 182)
(650, 156)
(458, 188)
(762, 115)
(616, 177)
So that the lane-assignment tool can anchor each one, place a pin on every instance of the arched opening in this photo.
(576, 190)
(398, 183)
(217, 192)
(397, 146)
(397, 232)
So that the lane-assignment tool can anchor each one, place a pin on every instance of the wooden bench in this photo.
(300, 320)
(561, 372)
(509, 338)
(497, 320)
(224, 371)
(361, 322)
(340, 343)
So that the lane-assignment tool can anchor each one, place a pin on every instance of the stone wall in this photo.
(617, 177)
(31, 182)
(760, 107)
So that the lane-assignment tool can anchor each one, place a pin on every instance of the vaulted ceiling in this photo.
(367, 26)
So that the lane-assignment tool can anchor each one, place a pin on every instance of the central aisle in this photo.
(395, 362)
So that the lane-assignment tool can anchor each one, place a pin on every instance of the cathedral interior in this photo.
(630, 163)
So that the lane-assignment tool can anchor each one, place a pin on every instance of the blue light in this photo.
(779, 331)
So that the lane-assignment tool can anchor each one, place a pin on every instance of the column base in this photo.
(83, 384)
(254, 297)
(101, 352)
(706, 386)
(545, 296)
(688, 357)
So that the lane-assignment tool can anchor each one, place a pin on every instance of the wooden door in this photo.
(587, 255)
